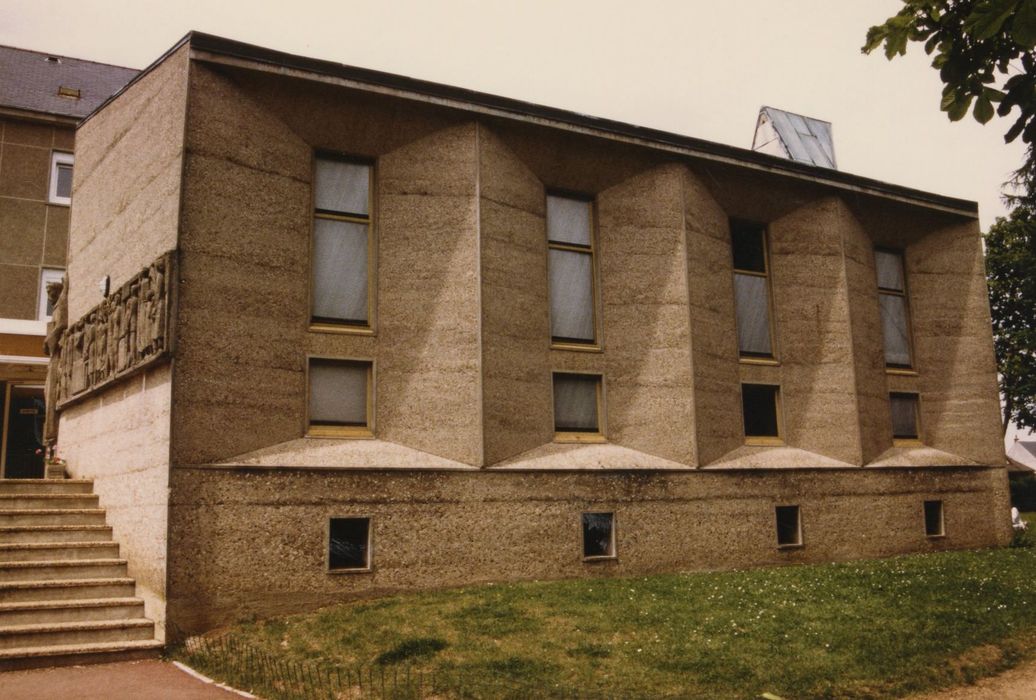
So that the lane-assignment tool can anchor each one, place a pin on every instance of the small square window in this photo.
(598, 535)
(760, 405)
(789, 527)
(339, 398)
(904, 418)
(47, 276)
(349, 544)
(577, 399)
(934, 525)
(60, 178)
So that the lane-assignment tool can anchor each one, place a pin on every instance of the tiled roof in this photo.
(30, 80)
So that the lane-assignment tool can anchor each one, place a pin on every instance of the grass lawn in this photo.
(856, 630)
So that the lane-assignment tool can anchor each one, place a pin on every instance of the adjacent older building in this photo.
(42, 98)
(364, 333)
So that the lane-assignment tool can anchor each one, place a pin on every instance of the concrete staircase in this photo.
(65, 597)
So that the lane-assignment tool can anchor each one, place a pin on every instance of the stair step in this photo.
(19, 534)
(78, 654)
(26, 591)
(51, 611)
(50, 551)
(8, 486)
(61, 569)
(52, 516)
(90, 632)
(16, 501)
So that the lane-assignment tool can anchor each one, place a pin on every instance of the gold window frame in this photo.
(591, 250)
(757, 359)
(910, 369)
(346, 327)
(567, 436)
(341, 431)
(765, 440)
(914, 441)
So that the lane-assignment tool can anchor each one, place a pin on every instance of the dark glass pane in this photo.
(749, 246)
(571, 296)
(904, 416)
(348, 543)
(751, 298)
(575, 403)
(64, 186)
(894, 329)
(788, 525)
(597, 535)
(759, 403)
(933, 518)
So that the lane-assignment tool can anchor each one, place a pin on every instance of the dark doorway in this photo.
(23, 432)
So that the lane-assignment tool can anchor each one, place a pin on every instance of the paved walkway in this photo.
(129, 680)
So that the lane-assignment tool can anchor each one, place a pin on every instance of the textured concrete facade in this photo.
(463, 480)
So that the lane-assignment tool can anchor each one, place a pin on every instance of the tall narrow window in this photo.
(760, 405)
(577, 407)
(341, 243)
(752, 290)
(339, 398)
(895, 312)
(571, 251)
(789, 526)
(60, 178)
(934, 525)
(905, 424)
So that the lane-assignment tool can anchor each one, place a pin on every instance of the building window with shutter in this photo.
(752, 292)
(573, 318)
(341, 253)
(895, 311)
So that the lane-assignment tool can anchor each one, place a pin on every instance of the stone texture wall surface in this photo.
(253, 541)
(126, 183)
(33, 232)
(120, 439)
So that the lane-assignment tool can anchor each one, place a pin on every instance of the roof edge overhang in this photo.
(215, 49)
(39, 117)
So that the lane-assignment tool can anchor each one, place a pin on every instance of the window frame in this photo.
(370, 546)
(942, 518)
(764, 440)
(574, 436)
(41, 301)
(557, 343)
(800, 540)
(755, 358)
(613, 540)
(914, 441)
(340, 431)
(59, 158)
(345, 327)
(909, 369)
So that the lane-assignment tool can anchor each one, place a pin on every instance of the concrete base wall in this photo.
(120, 439)
(249, 542)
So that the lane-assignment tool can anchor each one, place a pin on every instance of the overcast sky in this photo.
(695, 67)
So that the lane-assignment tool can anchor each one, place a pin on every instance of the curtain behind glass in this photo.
(337, 393)
(339, 270)
(751, 296)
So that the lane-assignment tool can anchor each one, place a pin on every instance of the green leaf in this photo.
(1023, 27)
(949, 96)
(992, 94)
(983, 110)
(959, 108)
(988, 17)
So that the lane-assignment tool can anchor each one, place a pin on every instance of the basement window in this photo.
(577, 408)
(789, 526)
(349, 544)
(60, 178)
(934, 525)
(598, 535)
(761, 407)
(340, 398)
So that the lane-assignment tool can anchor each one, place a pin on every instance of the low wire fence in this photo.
(271, 677)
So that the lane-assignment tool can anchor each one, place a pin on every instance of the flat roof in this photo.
(219, 49)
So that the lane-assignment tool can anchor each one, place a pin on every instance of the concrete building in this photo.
(366, 333)
(42, 98)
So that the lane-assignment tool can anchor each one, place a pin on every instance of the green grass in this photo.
(858, 630)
